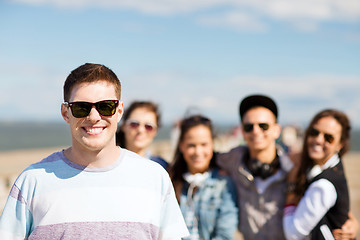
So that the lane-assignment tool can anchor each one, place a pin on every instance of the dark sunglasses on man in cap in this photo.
(249, 127)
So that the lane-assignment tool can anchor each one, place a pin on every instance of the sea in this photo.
(32, 135)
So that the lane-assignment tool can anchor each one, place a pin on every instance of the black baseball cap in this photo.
(257, 101)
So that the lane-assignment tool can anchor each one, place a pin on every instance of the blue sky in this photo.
(204, 55)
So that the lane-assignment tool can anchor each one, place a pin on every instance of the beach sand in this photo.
(13, 162)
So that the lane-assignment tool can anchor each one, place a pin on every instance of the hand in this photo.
(348, 230)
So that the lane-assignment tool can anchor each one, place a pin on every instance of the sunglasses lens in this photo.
(329, 138)
(313, 132)
(248, 127)
(80, 109)
(264, 126)
(106, 108)
(134, 124)
(148, 127)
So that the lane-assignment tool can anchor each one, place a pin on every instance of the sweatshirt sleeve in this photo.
(172, 222)
(16, 218)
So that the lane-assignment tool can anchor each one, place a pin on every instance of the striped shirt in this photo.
(57, 199)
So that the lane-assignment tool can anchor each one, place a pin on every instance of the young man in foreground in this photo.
(93, 189)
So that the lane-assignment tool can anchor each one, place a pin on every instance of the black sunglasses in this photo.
(249, 127)
(328, 137)
(82, 109)
(134, 124)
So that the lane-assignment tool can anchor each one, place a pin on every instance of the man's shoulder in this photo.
(140, 171)
(40, 170)
(141, 164)
(236, 152)
(52, 159)
(229, 160)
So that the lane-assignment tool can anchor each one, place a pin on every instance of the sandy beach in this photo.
(13, 162)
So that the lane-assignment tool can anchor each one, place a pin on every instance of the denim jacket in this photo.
(215, 206)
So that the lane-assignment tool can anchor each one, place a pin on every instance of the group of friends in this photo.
(108, 185)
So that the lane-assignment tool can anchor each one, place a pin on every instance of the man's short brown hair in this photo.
(89, 73)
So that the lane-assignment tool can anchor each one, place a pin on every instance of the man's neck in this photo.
(264, 156)
(101, 158)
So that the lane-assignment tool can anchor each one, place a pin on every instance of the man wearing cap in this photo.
(259, 170)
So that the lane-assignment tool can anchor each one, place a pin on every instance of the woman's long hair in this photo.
(152, 107)
(306, 161)
(178, 166)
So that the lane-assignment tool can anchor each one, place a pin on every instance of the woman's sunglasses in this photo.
(82, 109)
(328, 137)
(134, 124)
(249, 127)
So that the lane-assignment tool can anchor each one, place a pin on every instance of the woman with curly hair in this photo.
(318, 197)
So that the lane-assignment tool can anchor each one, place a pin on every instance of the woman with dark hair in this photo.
(318, 197)
(138, 129)
(206, 196)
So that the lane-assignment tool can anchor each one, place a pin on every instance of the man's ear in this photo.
(277, 130)
(65, 113)
(120, 110)
(242, 129)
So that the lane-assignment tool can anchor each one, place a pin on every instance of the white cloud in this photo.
(238, 21)
(157, 7)
(305, 15)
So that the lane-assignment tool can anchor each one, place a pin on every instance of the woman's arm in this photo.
(227, 219)
(300, 220)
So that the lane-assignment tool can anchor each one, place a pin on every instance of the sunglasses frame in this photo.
(313, 132)
(249, 127)
(88, 106)
(134, 124)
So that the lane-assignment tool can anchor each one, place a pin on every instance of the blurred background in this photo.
(203, 55)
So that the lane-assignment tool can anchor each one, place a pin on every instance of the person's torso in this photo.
(338, 214)
(205, 203)
(260, 213)
(68, 202)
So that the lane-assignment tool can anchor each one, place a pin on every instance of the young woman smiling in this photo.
(138, 129)
(207, 197)
(318, 195)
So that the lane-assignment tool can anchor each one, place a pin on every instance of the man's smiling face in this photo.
(93, 132)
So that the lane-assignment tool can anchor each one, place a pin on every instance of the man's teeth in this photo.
(94, 130)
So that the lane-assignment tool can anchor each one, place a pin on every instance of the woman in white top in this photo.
(317, 199)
